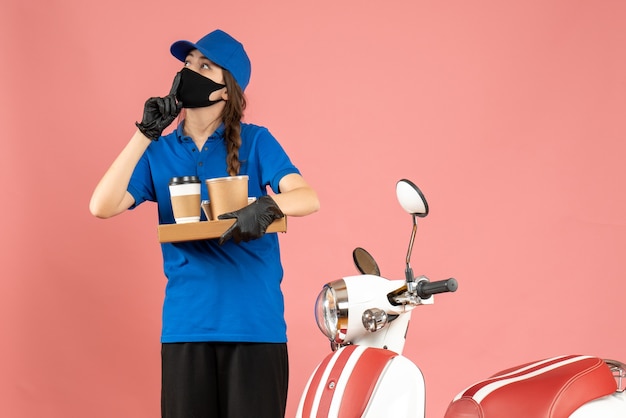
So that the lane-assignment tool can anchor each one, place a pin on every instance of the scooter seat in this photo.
(551, 388)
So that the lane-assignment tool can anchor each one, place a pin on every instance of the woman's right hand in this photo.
(160, 112)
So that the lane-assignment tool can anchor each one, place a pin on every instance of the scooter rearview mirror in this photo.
(364, 262)
(411, 198)
(412, 201)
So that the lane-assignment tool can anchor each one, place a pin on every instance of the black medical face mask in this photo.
(194, 89)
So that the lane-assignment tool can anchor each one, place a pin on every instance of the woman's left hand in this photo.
(252, 220)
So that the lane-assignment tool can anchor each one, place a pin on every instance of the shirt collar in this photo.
(180, 134)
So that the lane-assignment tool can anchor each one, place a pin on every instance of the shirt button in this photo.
(200, 164)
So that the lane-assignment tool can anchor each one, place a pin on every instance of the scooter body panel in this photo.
(400, 392)
(610, 406)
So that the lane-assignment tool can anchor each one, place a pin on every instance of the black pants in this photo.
(224, 380)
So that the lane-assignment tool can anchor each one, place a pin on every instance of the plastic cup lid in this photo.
(184, 180)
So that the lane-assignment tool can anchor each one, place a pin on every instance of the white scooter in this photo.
(366, 319)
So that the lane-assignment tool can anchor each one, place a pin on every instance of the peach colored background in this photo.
(509, 115)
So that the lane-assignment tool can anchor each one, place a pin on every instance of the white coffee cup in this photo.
(185, 197)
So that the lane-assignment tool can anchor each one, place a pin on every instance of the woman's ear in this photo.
(224, 94)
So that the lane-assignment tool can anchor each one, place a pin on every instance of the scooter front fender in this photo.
(358, 381)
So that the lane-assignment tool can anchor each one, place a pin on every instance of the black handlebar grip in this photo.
(426, 289)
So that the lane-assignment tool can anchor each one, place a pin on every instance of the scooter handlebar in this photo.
(426, 289)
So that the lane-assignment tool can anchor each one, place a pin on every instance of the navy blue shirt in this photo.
(217, 293)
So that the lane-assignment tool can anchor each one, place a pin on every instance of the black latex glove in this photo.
(160, 112)
(252, 220)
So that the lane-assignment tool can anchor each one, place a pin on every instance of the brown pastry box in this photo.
(207, 229)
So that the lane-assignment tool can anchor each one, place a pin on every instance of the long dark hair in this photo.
(231, 116)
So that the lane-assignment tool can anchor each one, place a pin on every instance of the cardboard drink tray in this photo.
(207, 230)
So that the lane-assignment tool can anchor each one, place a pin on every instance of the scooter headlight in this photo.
(331, 311)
